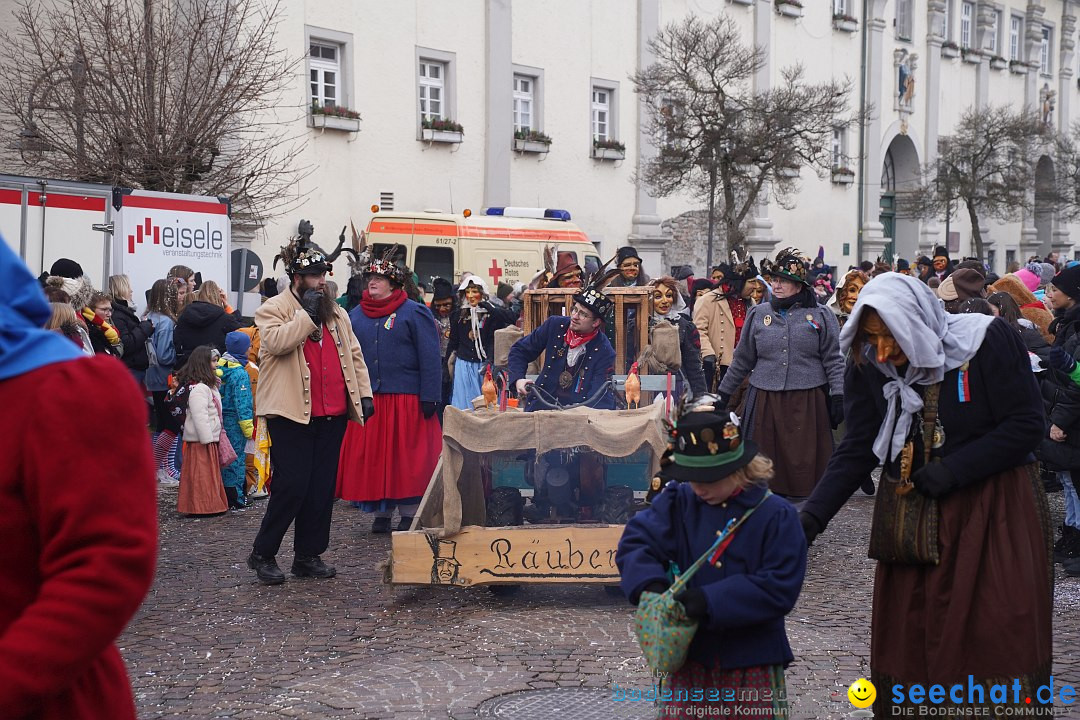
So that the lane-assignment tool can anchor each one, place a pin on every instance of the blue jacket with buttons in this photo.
(401, 351)
(549, 338)
(748, 595)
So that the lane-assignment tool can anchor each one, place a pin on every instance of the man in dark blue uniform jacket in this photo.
(578, 357)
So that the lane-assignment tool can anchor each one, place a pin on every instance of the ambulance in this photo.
(503, 244)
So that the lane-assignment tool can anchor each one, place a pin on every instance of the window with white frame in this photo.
(671, 111)
(967, 18)
(995, 30)
(1044, 51)
(1016, 37)
(946, 23)
(324, 68)
(601, 113)
(432, 90)
(840, 7)
(838, 150)
(524, 89)
(904, 18)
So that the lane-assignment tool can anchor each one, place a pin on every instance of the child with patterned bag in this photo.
(739, 597)
(236, 413)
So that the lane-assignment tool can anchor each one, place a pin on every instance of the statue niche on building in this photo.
(905, 63)
(1047, 103)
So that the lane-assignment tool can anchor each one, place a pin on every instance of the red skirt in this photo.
(201, 491)
(392, 456)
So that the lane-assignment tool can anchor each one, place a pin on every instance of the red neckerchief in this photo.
(382, 308)
(574, 340)
(1038, 305)
(738, 315)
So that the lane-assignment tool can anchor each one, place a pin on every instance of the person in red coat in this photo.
(79, 533)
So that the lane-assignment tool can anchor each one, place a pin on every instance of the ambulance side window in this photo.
(434, 262)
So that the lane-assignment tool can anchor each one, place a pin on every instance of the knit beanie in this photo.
(66, 268)
(503, 290)
(1068, 282)
(237, 344)
(1030, 279)
(625, 252)
(1046, 275)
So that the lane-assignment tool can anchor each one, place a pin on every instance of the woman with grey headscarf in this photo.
(983, 612)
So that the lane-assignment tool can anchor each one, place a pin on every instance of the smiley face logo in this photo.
(862, 693)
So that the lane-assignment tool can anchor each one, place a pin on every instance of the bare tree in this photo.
(987, 165)
(168, 96)
(721, 139)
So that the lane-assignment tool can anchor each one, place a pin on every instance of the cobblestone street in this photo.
(211, 642)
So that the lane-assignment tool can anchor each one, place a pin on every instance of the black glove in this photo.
(656, 586)
(695, 602)
(1058, 359)
(722, 402)
(310, 302)
(810, 527)
(708, 365)
(428, 408)
(367, 407)
(934, 480)
(836, 410)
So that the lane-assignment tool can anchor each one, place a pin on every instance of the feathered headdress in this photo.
(303, 257)
(386, 267)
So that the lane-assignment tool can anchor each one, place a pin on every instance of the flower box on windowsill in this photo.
(441, 136)
(741, 2)
(1018, 67)
(845, 23)
(999, 63)
(600, 153)
(531, 146)
(970, 55)
(790, 9)
(334, 122)
(950, 50)
(843, 176)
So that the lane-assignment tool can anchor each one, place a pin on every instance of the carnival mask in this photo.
(663, 299)
(753, 291)
(443, 307)
(717, 276)
(570, 279)
(880, 337)
(630, 267)
(850, 294)
(473, 295)
(940, 263)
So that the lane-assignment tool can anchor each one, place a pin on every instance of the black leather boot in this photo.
(266, 568)
(312, 566)
(380, 525)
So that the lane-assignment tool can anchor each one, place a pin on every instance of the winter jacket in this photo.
(402, 354)
(712, 316)
(133, 334)
(236, 397)
(751, 589)
(201, 323)
(157, 376)
(78, 556)
(795, 350)
(203, 422)
(284, 378)
(597, 365)
(1061, 397)
(494, 319)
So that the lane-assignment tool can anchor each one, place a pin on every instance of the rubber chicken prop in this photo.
(632, 388)
(488, 389)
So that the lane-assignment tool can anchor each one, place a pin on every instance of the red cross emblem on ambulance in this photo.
(495, 271)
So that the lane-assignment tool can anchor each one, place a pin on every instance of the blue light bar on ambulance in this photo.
(526, 212)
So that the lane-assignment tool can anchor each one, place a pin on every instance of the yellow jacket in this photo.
(284, 379)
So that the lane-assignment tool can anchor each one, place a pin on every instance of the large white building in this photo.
(562, 67)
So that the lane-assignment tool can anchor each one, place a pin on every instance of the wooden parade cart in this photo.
(470, 528)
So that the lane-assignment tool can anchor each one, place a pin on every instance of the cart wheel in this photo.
(504, 507)
(615, 508)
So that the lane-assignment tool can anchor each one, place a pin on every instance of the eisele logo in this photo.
(176, 236)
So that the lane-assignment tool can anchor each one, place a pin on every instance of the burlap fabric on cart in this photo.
(468, 436)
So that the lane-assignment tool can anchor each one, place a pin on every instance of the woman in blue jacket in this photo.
(161, 312)
(740, 598)
(388, 461)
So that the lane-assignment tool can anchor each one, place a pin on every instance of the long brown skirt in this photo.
(201, 491)
(985, 611)
(791, 427)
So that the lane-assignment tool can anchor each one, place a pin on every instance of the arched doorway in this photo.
(899, 175)
(1044, 209)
